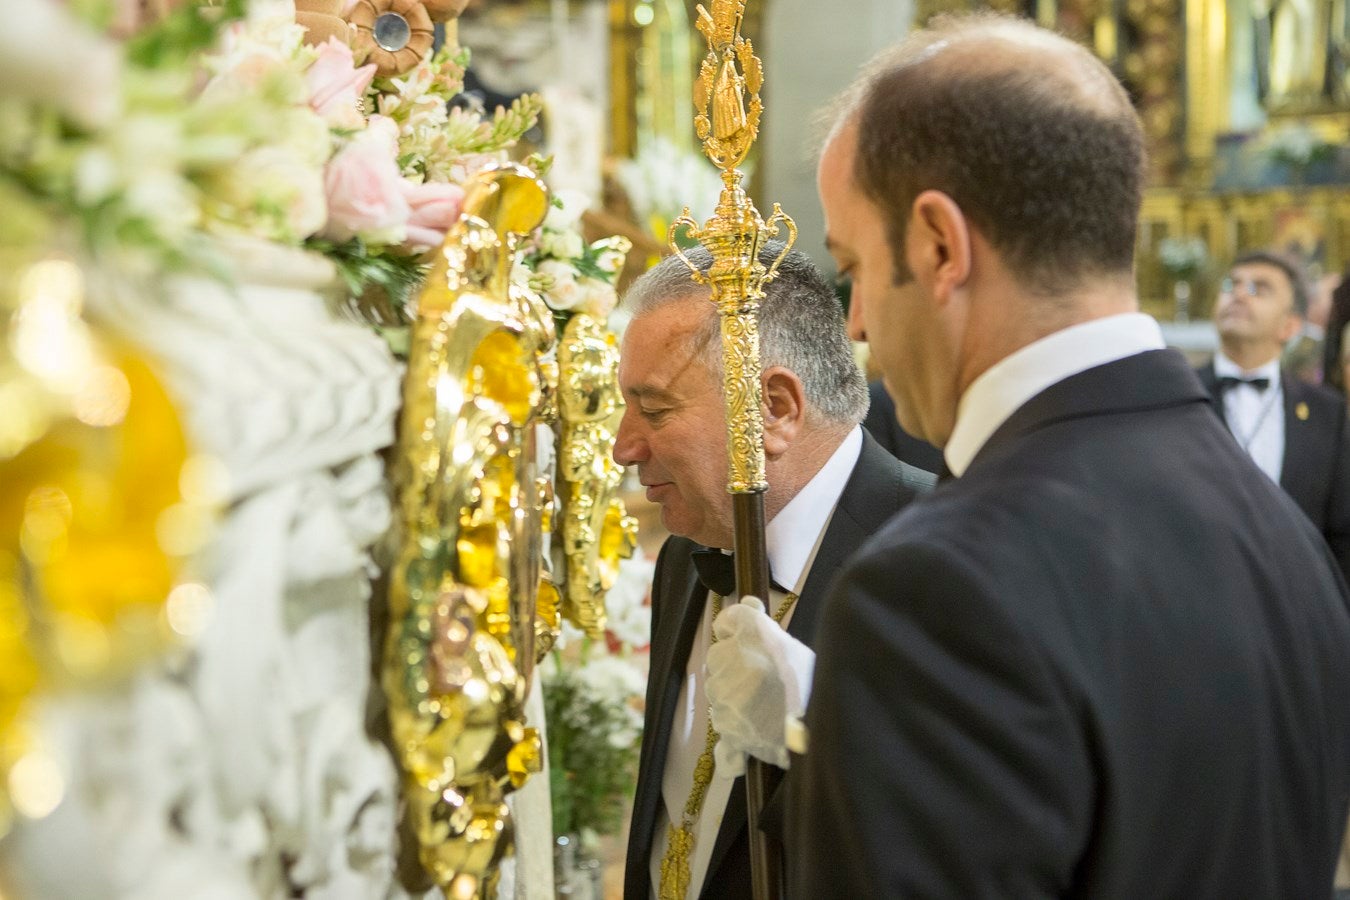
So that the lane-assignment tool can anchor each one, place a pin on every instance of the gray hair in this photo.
(801, 326)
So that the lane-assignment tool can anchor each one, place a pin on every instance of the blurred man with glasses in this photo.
(1295, 432)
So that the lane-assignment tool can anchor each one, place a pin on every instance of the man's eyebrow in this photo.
(650, 392)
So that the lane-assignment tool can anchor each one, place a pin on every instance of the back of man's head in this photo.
(1030, 135)
(801, 326)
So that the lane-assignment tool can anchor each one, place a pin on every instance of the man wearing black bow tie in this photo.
(1295, 432)
(830, 487)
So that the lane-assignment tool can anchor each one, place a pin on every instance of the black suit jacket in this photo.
(1316, 471)
(879, 486)
(1109, 661)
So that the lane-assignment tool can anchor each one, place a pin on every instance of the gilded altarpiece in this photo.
(1246, 109)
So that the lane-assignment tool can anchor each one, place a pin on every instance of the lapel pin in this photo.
(1301, 410)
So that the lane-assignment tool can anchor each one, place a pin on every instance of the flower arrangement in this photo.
(223, 121)
(661, 181)
(592, 696)
(1183, 258)
(571, 275)
(1297, 146)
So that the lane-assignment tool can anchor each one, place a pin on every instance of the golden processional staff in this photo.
(726, 96)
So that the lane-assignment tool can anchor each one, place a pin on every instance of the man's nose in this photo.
(629, 447)
(856, 331)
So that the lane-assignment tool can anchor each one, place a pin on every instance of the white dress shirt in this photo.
(792, 537)
(1256, 418)
(1005, 386)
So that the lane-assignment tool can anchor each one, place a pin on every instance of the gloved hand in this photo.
(758, 675)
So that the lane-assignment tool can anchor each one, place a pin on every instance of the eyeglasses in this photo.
(1251, 286)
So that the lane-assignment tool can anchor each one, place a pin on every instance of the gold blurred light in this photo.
(36, 785)
(205, 480)
(189, 609)
(46, 333)
(182, 529)
(102, 397)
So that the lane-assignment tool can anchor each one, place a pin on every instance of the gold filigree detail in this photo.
(463, 592)
(596, 529)
(728, 123)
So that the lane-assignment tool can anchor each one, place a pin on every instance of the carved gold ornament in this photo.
(463, 592)
(596, 528)
(728, 124)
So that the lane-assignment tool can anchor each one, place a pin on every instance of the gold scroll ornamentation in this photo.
(596, 528)
(459, 653)
(728, 124)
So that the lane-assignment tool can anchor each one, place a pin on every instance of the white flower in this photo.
(629, 614)
(567, 216)
(612, 251)
(598, 298)
(563, 293)
(39, 47)
(272, 192)
(566, 244)
(664, 179)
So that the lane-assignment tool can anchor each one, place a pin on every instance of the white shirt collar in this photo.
(792, 534)
(1012, 381)
(1225, 366)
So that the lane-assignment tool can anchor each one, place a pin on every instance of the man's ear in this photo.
(784, 409)
(940, 243)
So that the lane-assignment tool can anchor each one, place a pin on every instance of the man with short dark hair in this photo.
(830, 487)
(1295, 432)
(1105, 658)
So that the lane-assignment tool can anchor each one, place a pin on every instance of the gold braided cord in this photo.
(675, 872)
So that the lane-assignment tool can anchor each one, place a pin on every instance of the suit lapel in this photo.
(873, 493)
(1211, 382)
(672, 638)
(1297, 477)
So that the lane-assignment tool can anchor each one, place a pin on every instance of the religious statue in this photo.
(1292, 48)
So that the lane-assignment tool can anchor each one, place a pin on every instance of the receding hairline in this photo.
(984, 46)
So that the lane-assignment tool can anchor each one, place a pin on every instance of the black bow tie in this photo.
(717, 571)
(1228, 381)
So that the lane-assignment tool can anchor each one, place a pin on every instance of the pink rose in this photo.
(435, 207)
(365, 189)
(336, 86)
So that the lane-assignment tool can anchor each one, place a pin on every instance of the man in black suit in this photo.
(1105, 658)
(830, 487)
(1295, 432)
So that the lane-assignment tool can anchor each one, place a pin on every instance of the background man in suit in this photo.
(882, 425)
(1107, 658)
(830, 486)
(1294, 431)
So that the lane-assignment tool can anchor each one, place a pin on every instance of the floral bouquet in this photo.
(1183, 258)
(1297, 146)
(571, 275)
(592, 696)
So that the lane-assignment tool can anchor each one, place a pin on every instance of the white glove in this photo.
(758, 675)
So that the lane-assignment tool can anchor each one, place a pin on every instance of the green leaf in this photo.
(182, 34)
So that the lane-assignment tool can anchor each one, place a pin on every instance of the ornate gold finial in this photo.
(726, 124)
(726, 96)
(463, 591)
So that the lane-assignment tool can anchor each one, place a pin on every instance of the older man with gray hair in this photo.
(830, 487)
